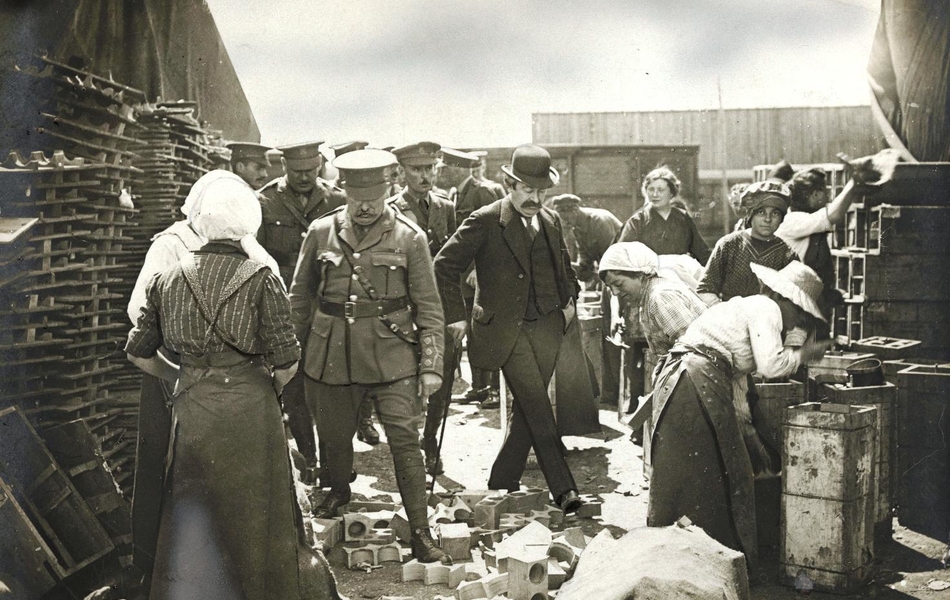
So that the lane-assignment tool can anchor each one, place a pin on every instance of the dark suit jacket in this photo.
(495, 238)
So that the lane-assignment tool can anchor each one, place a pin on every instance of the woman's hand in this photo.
(283, 376)
(812, 350)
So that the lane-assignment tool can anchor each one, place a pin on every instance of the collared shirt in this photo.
(667, 311)
(676, 234)
(798, 226)
(255, 319)
(748, 333)
(531, 225)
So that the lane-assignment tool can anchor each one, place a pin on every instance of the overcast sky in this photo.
(470, 73)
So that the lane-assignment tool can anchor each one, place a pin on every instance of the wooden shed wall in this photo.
(753, 136)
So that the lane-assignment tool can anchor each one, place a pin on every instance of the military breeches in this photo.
(336, 409)
(298, 416)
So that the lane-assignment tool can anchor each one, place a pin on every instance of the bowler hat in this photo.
(531, 165)
(302, 157)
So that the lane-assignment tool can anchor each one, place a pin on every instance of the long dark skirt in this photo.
(701, 468)
(227, 528)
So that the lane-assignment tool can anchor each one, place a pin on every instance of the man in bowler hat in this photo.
(524, 301)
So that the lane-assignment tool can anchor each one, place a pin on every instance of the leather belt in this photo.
(359, 310)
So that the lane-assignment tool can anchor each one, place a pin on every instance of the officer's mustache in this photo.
(530, 204)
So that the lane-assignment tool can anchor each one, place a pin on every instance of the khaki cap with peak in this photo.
(419, 154)
(302, 157)
(364, 174)
(341, 149)
(248, 151)
(458, 158)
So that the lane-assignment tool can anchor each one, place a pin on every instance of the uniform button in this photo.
(392, 267)
(351, 321)
(303, 234)
(356, 255)
(520, 275)
(353, 298)
(227, 380)
(429, 230)
(354, 276)
(276, 222)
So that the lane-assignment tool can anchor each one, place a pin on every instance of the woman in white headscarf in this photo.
(228, 523)
(703, 449)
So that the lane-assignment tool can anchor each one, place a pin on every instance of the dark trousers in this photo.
(610, 353)
(528, 372)
(336, 409)
(155, 418)
(299, 418)
(439, 401)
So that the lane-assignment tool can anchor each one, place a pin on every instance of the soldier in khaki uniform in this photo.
(368, 314)
(249, 161)
(288, 205)
(435, 214)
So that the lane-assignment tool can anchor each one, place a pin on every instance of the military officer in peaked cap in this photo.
(434, 214)
(368, 315)
(473, 193)
(288, 205)
(249, 162)
(341, 149)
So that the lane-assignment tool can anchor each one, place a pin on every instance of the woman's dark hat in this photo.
(531, 165)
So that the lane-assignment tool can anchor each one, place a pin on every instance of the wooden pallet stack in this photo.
(175, 150)
(76, 181)
(891, 255)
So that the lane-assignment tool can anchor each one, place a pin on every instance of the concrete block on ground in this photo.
(489, 510)
(528, 576)
(512, 522)
(574, 536)
(413, 571)
(372, 506)
(456, 540)
(329, 532)
(473, 497)
(591, 507)
(563, 551)
(374, 554)
(487, 537)
(470, 590)
(557, 575)
(359, 524)
(355, 556)
(549, 516)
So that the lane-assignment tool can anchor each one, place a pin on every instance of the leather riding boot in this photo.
(332, 503)
(424, 549)
(366, 431)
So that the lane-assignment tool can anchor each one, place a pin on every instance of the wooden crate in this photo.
(923, 440)
(884, 398)
(827, 502)
(24, 554)
(78, 452)
(49, 498)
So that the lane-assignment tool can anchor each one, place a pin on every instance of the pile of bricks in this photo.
(511, 545)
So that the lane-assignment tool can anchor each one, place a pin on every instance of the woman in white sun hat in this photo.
(705, 449)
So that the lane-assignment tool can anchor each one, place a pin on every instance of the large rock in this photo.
(658, 563)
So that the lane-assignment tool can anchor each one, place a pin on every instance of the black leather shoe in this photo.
(331, 505)
(366, 432)
(570, 502)
(424, 549)
(493, 401)
(472, 395)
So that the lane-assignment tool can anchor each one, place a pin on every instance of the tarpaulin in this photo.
(169, 49)
(909, 72)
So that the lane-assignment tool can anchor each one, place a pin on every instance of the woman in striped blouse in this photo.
(228, 523)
